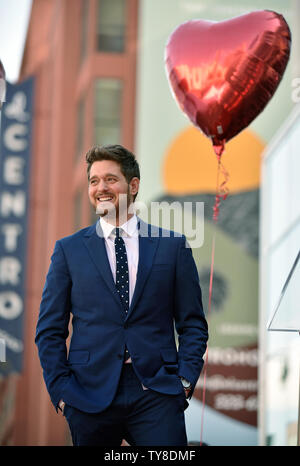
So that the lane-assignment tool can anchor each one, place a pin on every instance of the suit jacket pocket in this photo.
(78, 356)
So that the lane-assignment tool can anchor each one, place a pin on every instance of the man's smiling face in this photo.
(109, 191)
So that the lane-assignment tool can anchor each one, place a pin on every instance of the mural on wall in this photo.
(231, 382)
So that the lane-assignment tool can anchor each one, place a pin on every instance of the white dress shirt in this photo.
(129, 233)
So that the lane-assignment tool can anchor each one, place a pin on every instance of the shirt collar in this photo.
(129, 227)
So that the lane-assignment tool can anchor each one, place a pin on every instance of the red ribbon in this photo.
(221, 190)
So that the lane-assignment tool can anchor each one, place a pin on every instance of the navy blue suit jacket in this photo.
(80, 284)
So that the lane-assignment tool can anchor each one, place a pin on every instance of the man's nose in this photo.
(102, 185)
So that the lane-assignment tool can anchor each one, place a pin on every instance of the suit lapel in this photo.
(147, 249)
(95, 243)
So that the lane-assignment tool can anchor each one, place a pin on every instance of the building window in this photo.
(111, 26)
(85, 4)
(108, 107)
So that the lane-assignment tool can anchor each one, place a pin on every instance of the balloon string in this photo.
(208, 315)
(221, 193)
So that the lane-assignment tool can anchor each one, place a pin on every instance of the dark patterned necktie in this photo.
(122, 275)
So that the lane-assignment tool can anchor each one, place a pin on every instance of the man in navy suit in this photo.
(126, 284)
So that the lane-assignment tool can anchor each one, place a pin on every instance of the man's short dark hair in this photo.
(126, 159)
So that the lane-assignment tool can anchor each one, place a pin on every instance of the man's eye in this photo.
(93, 181)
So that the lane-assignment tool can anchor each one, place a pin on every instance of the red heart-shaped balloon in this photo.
(224, 73)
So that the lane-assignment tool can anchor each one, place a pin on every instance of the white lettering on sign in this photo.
(11, 231)
(11, 305)
(2, 91)
(11, 342)
(232, 356)
(16, 108)
(218, 382)
(10, 269)
(12, 204)
(2, 350)
(229, 402)
(13, 170)
(14, 137)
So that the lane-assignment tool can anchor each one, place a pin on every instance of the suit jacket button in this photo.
(120, 356)
(125, 325)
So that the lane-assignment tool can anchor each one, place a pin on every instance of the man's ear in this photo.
(134, 185)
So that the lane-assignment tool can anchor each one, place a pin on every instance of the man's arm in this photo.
(190, 322)
(52, 327)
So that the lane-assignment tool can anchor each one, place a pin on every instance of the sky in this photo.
(14, 17)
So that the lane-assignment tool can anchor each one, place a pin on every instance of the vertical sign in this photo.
(15, 151)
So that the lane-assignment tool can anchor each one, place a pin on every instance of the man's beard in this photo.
(115, 213)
